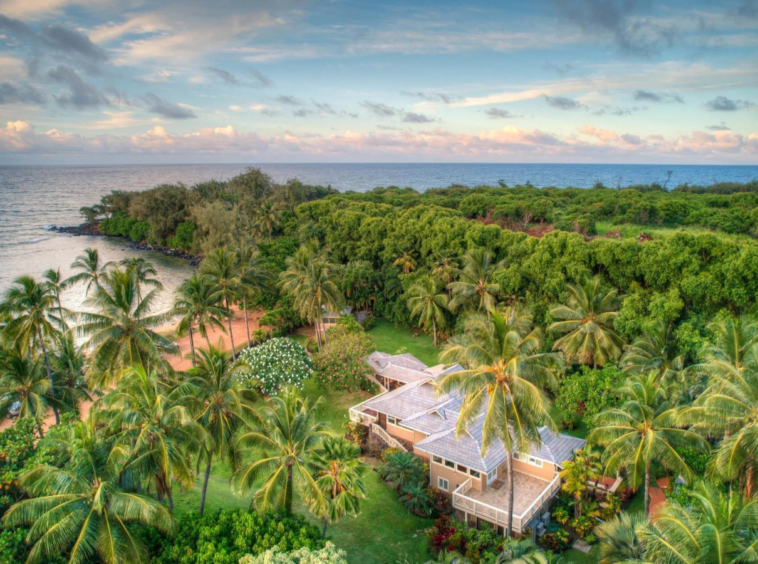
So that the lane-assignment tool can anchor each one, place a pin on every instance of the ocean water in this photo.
(33, 198)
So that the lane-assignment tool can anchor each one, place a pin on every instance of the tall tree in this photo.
(90, 270)
(23, 382)
(585, 467)
(143, 271)
(285, 435)
(222, 407)
(428, 304)
(69, 365)
(121, 331)
(56, 285)
(504, 376)
(587, 320)
(522, 551)
(475, 281)
(254, 278)
(620, 538)
(222, 270)
(80, 509)
(150, 414)
(267, 218)
(338, 469)
(31, 305)
(641, 431)
(199, 301)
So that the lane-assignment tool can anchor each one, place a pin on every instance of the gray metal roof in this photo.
(406, 401)
(404, 368)
(556, 447)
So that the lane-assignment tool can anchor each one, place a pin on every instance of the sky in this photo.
(569, 81)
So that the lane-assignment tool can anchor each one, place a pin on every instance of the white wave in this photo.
(33, 241)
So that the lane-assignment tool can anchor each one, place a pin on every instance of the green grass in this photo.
(391, 339)
(573, 556)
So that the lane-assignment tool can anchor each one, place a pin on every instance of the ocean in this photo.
(34, 197)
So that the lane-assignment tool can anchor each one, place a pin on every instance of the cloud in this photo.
(648, 96)
(261, 80)
(288, 100)
(562, 69)
(718, 127)
(302, 112)
(431, 97)
(563, 103)
(748, 9)
(81, 95)
(383, 110)
(413, 117)
(11, 93)
(225, 76)
(170, 110)
(616, 111)
(724, 104)
(324, 108)
(497, 113)
(258, 80)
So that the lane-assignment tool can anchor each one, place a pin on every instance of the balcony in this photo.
(530, 497)
(361, 414)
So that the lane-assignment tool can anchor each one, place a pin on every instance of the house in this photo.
(415, 416)
(329, 318)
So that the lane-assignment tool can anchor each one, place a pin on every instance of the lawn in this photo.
(392, 339)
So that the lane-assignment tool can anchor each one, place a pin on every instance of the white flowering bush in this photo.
(330, 554)
(275, 364)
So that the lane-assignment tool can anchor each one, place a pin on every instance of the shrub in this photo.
(184, 237)
(276, 364)
(330, 554)
(226, 536)
(356, 432)
(340, 365)
(561, 515)
(696, 460)
(557, 541)
(583, 525)
(402, 469)
(586, 393)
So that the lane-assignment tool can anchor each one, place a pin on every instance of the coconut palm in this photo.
(31, 305)
(222, 404)
(56, 285)
(311, 279)
(91, 270)
(444, 268)
(23, 382)
(620, 538)
(587, 320)
(428, 304)
(406, 262)
(283, 438)
(402, 468)
(150, 414)
(121, 332)
(198, 301)
(142, 270)
(338, 470)
(80, 509)
(502, 382)
(522, 551)
(253, 278)
(222, 270)
(641, 431)
(712, 527)
(69, 365)
(267, 218)
(475, 283)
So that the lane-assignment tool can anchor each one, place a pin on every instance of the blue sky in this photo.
(106, 81)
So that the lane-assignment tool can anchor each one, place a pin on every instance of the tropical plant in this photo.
(284, 435)
(222, 405)
(266, 219)
(121, 331)
(23, 384)
(620, 538)
(81, 509)
(475, 281)
(142, 271)
(341, 365)
(643, 430)
(32, 324)
(416, 499)
(428, 304)
(69, 366)
(253, 278)
(56, 285)
(657, 351)
(504, 376)
(522, 551)
(330, 554)
(149, 414)
(405, 261)
(275, 365)
(587, 319)
(338, 470)
(90, 267)
(402, 468)
(222, 270)
(585, 467)
(199, 301)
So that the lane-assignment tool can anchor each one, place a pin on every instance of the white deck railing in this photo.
(497, 515)
(389, 439)
(359, 416)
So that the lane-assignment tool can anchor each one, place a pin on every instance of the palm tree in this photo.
(401, 468)
(69, 366)
(642, 431)
(338, 469)
(285, 435)
(406, 262)
(253, 278)
(150, 415)
(30, 304)
(267, 218)
(711, 528)
(475, 282)
(310, 278)
(23, 382)
(122, 331)
(504, 377)
(81, 510)
(142, 270)
(657, 351)
(444, 269)
(222, 270)
(620, 538)
(585, 467)
(587, 319)
(522, 551)
(428, 304)
(222, 406)
(199, 301)
(56, 286)
(91, 270)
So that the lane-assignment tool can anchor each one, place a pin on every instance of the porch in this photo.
(531, 496)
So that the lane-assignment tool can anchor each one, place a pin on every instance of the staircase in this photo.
(387, 438)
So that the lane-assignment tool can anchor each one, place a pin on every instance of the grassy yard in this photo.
(391, 339)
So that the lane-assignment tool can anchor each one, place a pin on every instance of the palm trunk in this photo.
(509, 525)
(326, 524)
(324, 328)
(318, 334)
(170, 496)
(192, 345)
(207, 340)
(288, 494)
(205, 480)
(231, 336)
(434, 330)
(49, 376)
(647, 488)
(247, 323)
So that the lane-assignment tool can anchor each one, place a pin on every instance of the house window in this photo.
(520, 456)
(450, 464)
(474, 473)
(463, 469)
(491, 475)
(437, 459)
(535, 462)
(443, 484)
(393, 420)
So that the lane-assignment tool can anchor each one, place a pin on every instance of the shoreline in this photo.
(89, 230)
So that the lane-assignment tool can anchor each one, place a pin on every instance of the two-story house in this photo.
(413, 415)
